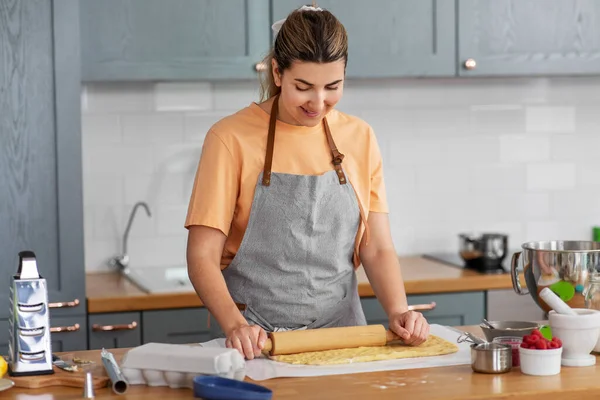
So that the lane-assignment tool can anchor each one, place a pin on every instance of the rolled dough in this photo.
(434, 346)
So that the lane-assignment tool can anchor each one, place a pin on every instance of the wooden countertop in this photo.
(110, 292)
(456, 382)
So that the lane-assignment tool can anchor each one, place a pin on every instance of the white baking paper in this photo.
(262, 368)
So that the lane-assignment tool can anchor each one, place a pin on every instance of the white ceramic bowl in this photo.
(579, 335)
(540, 362)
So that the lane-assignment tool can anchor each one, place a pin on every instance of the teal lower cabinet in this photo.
(68, 333)
(3, 337)
(114, 330)
(186, 325)
(452, 309)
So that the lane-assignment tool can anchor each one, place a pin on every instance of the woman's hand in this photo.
(411, 326)
(249, 340)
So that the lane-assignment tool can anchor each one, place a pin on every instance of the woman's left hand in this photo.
(411, 326)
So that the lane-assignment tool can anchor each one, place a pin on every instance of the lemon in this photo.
(3, 367)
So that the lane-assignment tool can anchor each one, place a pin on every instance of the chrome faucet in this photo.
(122, 261)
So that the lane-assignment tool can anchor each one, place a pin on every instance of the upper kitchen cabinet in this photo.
(392, 38)
(528, 37)
(173, 40)
(41, 206)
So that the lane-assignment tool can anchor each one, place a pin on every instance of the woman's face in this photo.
(309, 91)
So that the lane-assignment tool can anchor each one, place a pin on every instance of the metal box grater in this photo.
(29, 345)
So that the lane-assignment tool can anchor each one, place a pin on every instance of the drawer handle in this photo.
(108, 328)
(71, 328)
(422, 307)
(64, 304)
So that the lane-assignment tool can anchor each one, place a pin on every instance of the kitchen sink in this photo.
(161, 279)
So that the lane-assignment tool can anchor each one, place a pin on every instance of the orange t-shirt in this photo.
(233, 157)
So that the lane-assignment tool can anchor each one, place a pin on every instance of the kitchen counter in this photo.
(456, 382)
(110, 292)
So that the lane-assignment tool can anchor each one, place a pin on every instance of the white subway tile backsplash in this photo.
(551, 176)
(177, 158)
(524, 149)
(101, 128)
(196, 126)
(155, 189)
(183, 96)
(498, 177)
(105, 160)
(119, 98)
(542, 230)
(577, 204)
(161, 128)
(158, 251)
(588, 174)
(576, 148)
(170, 220)
(100, 190)
(550, 119)
(99, 252)
(443, 179)
(233, 96)
(496, 119)
(107, 222)
(512, 155)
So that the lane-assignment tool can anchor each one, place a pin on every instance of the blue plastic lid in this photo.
(217, 388)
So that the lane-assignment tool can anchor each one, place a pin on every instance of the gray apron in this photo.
(294, 269)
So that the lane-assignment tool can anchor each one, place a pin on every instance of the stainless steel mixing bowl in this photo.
(563, 266)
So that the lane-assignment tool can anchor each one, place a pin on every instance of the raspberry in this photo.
(524, 345)
(541, 344)
(553, 345)
(536, 332)
(557, 341)
(533, 339)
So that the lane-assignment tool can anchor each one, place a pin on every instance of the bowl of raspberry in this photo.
(540, 356)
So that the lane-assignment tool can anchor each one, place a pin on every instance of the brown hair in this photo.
(306, 35)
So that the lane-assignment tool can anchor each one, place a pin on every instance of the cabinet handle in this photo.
(422, 307)
(108, 328)
(72, 328)
(64, 304)
(261, 66)
(470, 63)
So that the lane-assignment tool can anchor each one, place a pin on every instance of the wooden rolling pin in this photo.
(293, 342)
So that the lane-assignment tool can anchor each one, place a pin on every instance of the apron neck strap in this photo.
(337, 157)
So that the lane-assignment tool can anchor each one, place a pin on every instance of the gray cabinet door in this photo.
(188, 325)
(40, 148)
(68, 334)
(114, 330)
(173, 40)
(516, 37)
(453, 309)
(4, 337)
(392, 38)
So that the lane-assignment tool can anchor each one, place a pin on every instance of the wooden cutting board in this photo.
(61, 378)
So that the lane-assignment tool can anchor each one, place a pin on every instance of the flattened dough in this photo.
(434, 346)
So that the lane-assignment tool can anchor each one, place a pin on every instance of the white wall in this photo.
(513, 155)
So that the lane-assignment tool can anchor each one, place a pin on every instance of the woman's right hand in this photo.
(249, 340)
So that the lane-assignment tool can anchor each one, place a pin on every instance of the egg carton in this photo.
(176, 365)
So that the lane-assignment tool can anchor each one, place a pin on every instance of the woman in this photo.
(279, 218)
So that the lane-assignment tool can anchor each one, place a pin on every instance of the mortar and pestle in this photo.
(577, 328)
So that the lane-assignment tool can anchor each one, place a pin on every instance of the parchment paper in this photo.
(263, 368)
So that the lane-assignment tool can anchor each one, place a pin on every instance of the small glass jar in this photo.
(515, 343)
(592, 293)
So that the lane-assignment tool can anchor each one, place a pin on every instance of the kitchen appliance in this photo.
(29, 322)
(563, 266)
(453, 259)
(483, 251)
